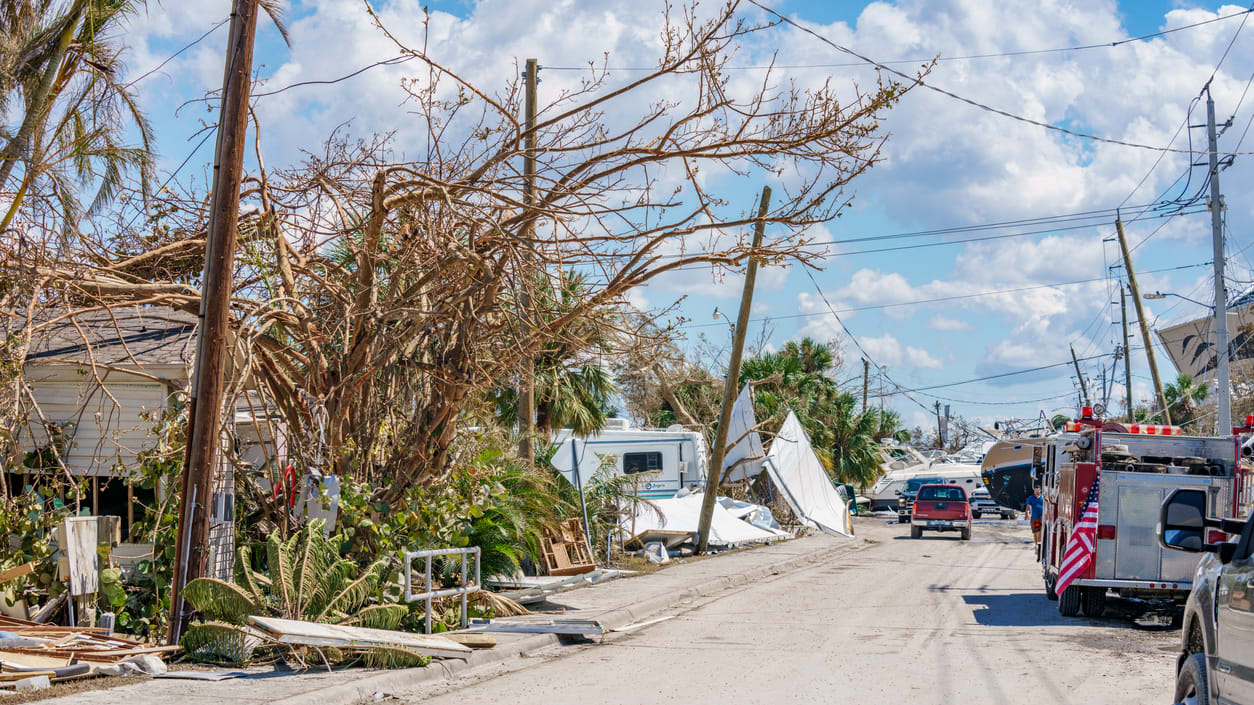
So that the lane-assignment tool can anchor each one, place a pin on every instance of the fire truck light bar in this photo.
(1144, 429)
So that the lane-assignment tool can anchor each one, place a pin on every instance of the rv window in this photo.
(641, 462)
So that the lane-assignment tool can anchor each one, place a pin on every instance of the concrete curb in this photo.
(408, 679)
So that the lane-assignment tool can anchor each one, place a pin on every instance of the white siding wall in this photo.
(111, 428)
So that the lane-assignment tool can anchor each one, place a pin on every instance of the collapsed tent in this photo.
(744, 455)
(683, 514)
(799, 476)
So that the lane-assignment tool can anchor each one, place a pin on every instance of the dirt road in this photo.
(935, 621)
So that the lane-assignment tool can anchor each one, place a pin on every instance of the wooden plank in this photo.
(288, 631)
(474, 641)
(80, 548)
(15, 573)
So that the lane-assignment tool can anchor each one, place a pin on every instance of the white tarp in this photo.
(799, 476)
(744, 446)
(684, 513)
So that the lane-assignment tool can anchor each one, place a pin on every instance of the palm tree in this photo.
(798, 377)
(1183, 397)
(58, 62)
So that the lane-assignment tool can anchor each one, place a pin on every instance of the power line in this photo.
(175, 55)
(918, 80)
(940, 58)
(880, 368)
(940, 299)
(386, 62)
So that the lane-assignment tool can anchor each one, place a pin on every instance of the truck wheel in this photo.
(1049, 587)
(966, 534)
(916, 532)
(975, 515)
(1008, 515)
(901, 519)
(1093, 601)
(1069, 602)
(1192, 685)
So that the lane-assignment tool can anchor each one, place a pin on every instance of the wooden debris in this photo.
(15, 573)
(567, 552)
(93, 644)
(290, 631)
(473, 640)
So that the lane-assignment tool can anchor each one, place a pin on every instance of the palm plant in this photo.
(798, 377)
(1184, 395)
(306, 579)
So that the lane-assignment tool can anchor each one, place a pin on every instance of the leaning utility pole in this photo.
(940, 437)
(1140, 316)
(527, 378)
(714, 474)
(866, 378)
(1221, 293)
(205, 407)
(1127, 354)
(1084, 389)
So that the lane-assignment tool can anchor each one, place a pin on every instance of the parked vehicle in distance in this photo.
(941, 508)
(905, 497)
(1216, 660)
(982, 503)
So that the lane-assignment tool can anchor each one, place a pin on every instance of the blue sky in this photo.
(948, 165)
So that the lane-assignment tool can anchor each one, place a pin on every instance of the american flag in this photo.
(1079, 553)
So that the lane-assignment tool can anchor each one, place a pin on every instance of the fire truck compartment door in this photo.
(1137, 555)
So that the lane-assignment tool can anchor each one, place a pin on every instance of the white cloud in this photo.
(948, 324)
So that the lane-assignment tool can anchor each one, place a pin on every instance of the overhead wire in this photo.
(918, 80)
(940, 58)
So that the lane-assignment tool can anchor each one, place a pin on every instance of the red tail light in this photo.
(1216, 536)
(1106, 531)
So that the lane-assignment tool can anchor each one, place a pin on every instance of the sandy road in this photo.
(935, 621)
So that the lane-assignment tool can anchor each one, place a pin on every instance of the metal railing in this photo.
(465, 589)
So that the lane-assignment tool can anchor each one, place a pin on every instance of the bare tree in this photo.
(379, 300)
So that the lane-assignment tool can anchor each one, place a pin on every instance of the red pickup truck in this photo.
(941, 508)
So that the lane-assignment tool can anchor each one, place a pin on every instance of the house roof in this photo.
(133, 336)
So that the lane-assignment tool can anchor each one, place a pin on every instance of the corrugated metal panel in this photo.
(111, 424)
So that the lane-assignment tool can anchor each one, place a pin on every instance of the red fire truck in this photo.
(1139, 466)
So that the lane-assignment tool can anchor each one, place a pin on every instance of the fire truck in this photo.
(1137, 466)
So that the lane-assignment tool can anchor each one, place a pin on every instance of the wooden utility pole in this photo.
(527, 376)
(714, 474)
(1127, 355)
(1084, 389)
(205, 408)
(866, 378)
(940, 438)
(1223, 384)
(1140, 316)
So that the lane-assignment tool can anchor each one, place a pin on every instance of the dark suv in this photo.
(1216, 662)
(905, 498)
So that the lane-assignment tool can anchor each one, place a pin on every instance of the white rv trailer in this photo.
(666, 460)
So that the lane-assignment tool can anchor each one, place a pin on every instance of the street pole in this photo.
(714, 474)
(866, 375)
(1127, 354)
(1221, 294)
(527, 381)
(204, 409)
(940, 440)
(1144, 324)
(1084, 389)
